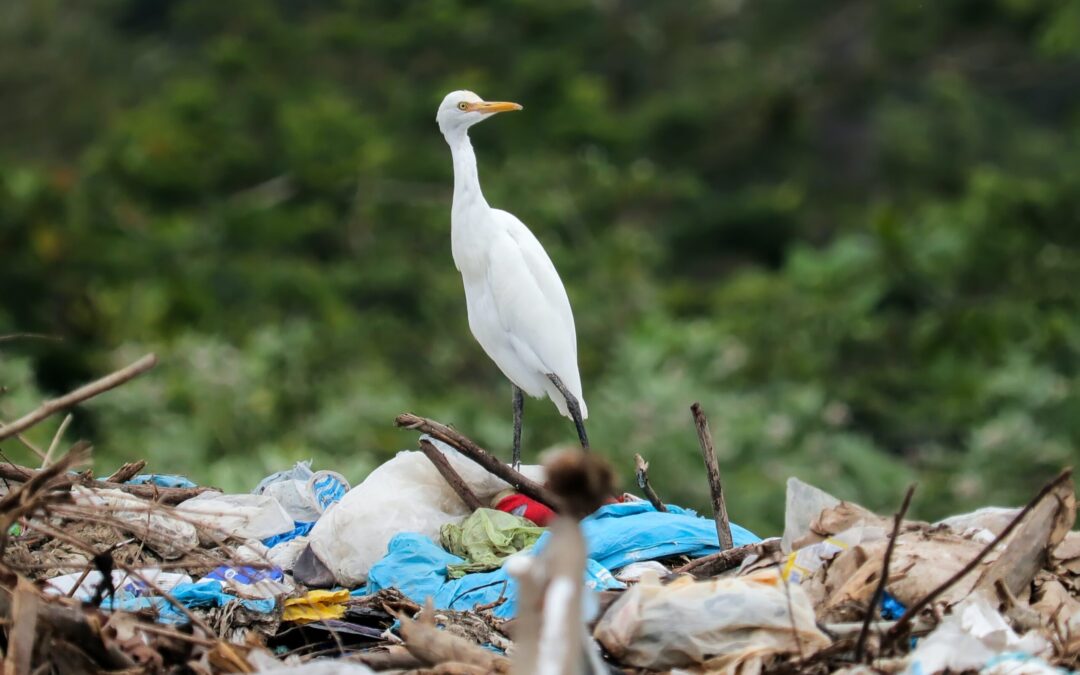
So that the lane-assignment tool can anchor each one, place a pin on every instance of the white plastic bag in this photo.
(284, 555)
(303, 493)
(240, 516)
(166, 535)
(970, 638)
(63, 585)
(405, 494)
(724, 622)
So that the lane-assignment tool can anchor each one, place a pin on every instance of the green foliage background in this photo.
(850, 229)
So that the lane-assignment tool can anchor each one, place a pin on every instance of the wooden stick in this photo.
(56, 440)
(83, 393)
(715, 563)
(165, 495)
(645, 485)
(127, 472)
(451, 476)
(708, 453)
(467, 447)
(860, 644)
(919, 606)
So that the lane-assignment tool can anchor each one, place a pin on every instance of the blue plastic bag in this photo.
(162, 480)
(300, 530)
(616, 535)
(200, 594)
(620, 534)
(416, 566)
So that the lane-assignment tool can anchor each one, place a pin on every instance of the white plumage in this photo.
(518, 308)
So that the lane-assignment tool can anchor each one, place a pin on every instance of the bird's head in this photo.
(462, 109)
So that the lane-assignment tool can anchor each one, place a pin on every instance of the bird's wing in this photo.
(532, 303)
(542, 269)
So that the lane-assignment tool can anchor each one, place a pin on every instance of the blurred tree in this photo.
(849, 228)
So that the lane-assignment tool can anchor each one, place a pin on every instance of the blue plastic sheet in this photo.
(620, 534)
(162, 480)
(416, 566)
(299, 530)
(616, 535)
(194, 595)
(891, 608)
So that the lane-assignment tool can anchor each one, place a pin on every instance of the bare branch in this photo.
(645, 485)
(455, 481)
(860, 644)
(467, 447)
(708, 453)
(79, 395)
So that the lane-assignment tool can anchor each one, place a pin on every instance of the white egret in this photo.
(518, 309)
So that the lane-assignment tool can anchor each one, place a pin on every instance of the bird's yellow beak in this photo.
(492, 106)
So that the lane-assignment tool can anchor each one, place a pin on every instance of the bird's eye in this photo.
(463, 106)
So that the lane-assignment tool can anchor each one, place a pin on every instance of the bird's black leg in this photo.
(519, 408)
(573, 407)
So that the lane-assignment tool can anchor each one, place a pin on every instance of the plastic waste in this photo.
(723, 623)
(320, 667)
(353, 534)
(168, 536)
(162, 480)
(518, 504)
(416, 566)
(616, 536)
(802, 564)
(284, 555)
(316, 606)
(303, 493)
(249, 582)
(970, 638)
(485, 539)
(1019, 663)
(122, 582)
(299, 530)
(803, 503)
(634, 571)
(196, 595)
(983, 524)
(620, 534)
(241, 516)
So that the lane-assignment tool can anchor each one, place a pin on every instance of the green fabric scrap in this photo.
(485, 539)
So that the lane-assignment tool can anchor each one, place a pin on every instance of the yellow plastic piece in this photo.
(316, 606)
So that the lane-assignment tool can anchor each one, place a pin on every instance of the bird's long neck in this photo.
(470, 222)
(466, 178)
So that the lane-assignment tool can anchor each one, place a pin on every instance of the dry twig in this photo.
(81, 394)
(165, 495)
(452, 478)
(715, 563)
(708, 453)
(477, 454)
(56, 440)
(646, 487)
(860, 644)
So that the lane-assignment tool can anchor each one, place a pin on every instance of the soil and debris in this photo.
(478, 567)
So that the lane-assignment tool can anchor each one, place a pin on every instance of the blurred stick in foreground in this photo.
(708, 453)
(551, 635)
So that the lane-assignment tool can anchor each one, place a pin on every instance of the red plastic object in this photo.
(523, 506)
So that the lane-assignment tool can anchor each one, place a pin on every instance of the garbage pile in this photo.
(307, 574)
(447, 560)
